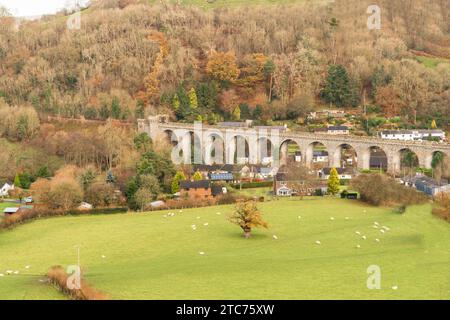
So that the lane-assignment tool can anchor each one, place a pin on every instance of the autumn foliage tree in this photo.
(223, 66)
(247, 216)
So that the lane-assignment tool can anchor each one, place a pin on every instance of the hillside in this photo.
(133, 58)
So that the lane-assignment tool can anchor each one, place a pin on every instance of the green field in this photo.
(153, 256)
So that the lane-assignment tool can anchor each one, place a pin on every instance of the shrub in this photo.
(65, 194)
(379, 189)
(100, 194)
(442, 209)
(58, 276)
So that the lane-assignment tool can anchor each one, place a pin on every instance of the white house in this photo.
(411, 135)
(320, 156)
(284, 191)
(338, 130)
(343, 173)
(4, 191)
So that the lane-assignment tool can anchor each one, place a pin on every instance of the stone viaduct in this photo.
(253, 141)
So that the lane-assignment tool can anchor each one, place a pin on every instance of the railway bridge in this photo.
(203, 144)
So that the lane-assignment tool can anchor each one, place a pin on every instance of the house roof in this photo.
(221, 176)
(422, 131)
(216, 167)
(326, 171)
(284, 188)
(424, 180)
(216, 190)
(337, 128)
(281, 128)
(320, 153)
(233, 124)
(10, 210)
(205, 184)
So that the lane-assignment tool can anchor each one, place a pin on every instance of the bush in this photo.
(100, 194)
(58, 276)
(65, 194)
(442, 209)
(379, 189)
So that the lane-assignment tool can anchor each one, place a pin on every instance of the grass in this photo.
(150, 256)
(431, 62)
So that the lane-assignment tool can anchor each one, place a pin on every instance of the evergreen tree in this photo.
(179, 176)
(104, 112)
(337, 87)
(116, 111)
(333, 182)
(139, 111)
(257, 112)
(193, 99)
(176, 102)
(433, 124)
(197, 176)
(17, 181)
(237, 113)
(110, 178)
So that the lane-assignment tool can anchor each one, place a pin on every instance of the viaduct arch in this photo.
(217, 143)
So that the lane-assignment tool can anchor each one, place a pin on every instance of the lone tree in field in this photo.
(247, 216)
(333, 182)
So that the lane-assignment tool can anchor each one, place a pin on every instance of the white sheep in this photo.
(318, 242)
(275, 237)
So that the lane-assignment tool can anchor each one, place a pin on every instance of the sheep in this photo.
(275, 237)
(318, 242)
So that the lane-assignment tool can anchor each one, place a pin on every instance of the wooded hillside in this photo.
(131, 59)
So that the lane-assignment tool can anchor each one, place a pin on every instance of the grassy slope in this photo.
(157, 257)
(431, 62)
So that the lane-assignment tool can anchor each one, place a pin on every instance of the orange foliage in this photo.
(223, 66)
